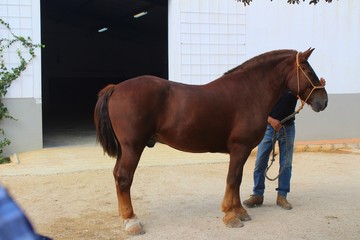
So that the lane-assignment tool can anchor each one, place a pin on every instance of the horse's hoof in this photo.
(133, 226)
(234, 223)
(232, 220)
(244, 217)
(242, 214)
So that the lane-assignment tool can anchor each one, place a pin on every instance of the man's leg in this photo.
(286, 145)
(262, 158)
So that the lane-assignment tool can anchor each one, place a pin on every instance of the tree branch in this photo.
(247, 2)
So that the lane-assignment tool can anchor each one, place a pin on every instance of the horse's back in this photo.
(141, 84)
(148, 93)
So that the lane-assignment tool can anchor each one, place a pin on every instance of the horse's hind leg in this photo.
(124, 173)
(231, 205)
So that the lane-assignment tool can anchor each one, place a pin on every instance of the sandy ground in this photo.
(178, 195)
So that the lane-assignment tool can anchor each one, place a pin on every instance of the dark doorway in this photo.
(89, 44)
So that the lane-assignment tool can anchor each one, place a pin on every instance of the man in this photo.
(284, 132)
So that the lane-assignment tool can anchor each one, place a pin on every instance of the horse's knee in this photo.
(123, 182)
(123, 176)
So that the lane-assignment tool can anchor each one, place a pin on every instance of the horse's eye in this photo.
(310, 73)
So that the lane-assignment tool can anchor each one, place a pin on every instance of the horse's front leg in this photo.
(231, 205)
(123, 173)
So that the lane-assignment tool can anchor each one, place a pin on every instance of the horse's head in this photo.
(306, 83)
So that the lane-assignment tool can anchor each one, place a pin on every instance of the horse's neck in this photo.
(265, 85)
(272, 86)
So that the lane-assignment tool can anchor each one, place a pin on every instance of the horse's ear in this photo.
(305, 55)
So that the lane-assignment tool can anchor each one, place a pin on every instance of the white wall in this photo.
(209, 37)
(206, 38)
(24, 19)
(332, 29)
(23, 98)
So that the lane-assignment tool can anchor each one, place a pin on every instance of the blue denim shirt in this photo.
(13, 222)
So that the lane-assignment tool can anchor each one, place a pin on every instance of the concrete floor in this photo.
(68, 193)
(68, 132)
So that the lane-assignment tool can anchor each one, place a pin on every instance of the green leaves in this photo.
(8, 75)
(247, 2)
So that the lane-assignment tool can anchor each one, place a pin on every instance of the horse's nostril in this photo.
(325, 104)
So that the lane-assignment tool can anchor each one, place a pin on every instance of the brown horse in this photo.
(228, 115)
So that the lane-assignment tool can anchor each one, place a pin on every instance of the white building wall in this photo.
(206, 38)
(333, 29)
(24, 19)
(23, 98)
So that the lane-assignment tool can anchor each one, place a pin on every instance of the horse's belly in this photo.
(195, 143)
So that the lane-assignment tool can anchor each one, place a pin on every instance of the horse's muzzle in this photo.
(319, 104)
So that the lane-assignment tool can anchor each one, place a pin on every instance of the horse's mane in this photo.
(268, 57)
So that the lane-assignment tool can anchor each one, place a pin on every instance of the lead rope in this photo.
(273, 154)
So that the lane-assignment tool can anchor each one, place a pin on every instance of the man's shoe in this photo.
(254, 201)
(283, 203)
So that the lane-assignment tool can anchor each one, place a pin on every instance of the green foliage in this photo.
(247, 2)
(4, 142)
(8, 75)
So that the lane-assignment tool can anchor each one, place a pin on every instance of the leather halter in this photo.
(298, 66)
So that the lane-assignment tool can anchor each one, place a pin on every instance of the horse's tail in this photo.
(104, 132)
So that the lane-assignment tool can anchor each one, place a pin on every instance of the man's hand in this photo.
(322, 81)
(274, 123)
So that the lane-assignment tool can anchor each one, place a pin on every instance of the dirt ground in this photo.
(176, 198)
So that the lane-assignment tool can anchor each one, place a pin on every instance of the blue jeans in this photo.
(262, 159)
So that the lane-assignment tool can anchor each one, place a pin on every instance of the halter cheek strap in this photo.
(298, 66)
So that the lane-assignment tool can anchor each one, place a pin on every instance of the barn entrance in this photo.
(90, 44)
